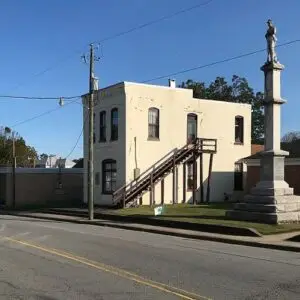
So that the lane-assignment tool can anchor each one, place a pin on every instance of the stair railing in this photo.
(128, 186)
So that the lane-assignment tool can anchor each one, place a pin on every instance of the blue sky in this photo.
(38, 34)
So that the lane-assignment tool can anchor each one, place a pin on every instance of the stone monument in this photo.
(271, 200)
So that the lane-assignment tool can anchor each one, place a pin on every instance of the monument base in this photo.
(274, 206)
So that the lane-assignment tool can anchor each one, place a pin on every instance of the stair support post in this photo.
(209, 177)
(162, 191)
(194, 178)
(201, 179)
(152, 193)
(124, 198)
(184, 183)
(174, 178)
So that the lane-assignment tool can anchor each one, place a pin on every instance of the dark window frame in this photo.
(109, 166)
(194, 117)
(114, 128)
(238, 177)
(153, 123)
(102, 126)
(239, 130)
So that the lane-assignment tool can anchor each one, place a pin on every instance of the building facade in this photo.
(138, 124)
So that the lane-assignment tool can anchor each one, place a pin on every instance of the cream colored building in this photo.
(138, 124)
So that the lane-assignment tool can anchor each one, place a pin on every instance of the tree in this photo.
(238, 91)
(291, 137)
(44, 156)
(25, 154)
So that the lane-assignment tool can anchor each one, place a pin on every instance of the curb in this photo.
(209, 228)
(290, 248)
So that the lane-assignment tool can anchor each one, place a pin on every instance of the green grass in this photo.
(206, 214)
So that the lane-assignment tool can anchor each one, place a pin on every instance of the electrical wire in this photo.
(147, 24)
(114, 36)
(78, 139)
(218, 62)
(211, 64)
(41, 115)
(172, 74)
(40, 98)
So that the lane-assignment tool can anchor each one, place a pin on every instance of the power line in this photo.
(214, 63)
(60, 61)
(218, 62)
(122, 33)
(39, 98)
(78, 139)
(41, 115)
(172, 74)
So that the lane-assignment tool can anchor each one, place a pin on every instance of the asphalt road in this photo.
(50, 260)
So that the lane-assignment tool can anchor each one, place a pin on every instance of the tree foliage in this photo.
(25, 154)
(291, 137)
(237, 91)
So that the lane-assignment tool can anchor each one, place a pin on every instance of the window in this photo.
(109, 175)
(153, 123)
(190, 175)
(102, 137)
(114, 124)
(238, 177)
(191, 127)
(239, 130)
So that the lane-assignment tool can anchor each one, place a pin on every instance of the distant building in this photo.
(139, 126)
(54, 161)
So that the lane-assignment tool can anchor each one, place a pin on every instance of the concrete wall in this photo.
(291, 173)
(36, 187)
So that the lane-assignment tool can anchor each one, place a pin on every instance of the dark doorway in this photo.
(191, 127)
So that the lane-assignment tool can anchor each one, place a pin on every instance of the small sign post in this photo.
(158, 210)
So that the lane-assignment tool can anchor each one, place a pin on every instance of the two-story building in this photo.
(138, 125)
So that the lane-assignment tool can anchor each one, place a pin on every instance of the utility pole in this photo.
(14, 170)
(91, 137)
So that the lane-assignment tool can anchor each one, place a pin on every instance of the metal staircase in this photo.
(127, 195)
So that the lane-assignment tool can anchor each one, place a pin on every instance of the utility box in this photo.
(136, 173)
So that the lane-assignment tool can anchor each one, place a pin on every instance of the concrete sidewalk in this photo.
(278, 241)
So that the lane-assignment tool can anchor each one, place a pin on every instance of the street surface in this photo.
(48, 260)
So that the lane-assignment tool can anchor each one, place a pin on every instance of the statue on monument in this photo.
(271, 42)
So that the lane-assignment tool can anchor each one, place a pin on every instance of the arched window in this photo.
(114, 124)
(109, 176)
(191, 127)
(239, 130)
(102, 137)
(153, 123)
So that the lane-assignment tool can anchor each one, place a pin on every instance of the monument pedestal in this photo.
(271, 200)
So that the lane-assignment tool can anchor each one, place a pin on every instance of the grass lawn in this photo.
(206, 214)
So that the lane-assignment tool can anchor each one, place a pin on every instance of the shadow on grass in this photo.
(165, 217)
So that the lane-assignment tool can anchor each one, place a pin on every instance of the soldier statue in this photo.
(271, 42)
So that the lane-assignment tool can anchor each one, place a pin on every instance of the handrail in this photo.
(197, 144)
(136, 179)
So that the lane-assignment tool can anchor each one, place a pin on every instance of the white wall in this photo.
(216, 120)
(107, 99)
